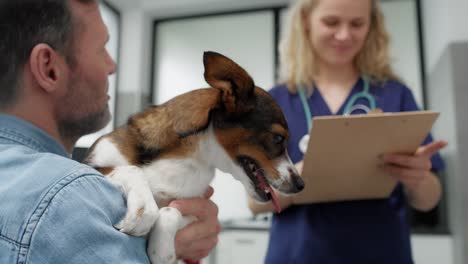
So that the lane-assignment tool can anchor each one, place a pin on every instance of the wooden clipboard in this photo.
(342, 160)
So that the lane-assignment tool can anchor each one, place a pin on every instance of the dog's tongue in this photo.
(266, 188)
(274, 199)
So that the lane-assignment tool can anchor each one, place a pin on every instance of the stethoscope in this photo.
(349, 109)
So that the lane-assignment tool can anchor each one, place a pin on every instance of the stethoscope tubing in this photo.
(349, 108)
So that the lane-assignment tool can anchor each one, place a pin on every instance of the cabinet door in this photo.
(241, 247)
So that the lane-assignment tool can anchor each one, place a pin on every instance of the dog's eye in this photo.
(278, 139)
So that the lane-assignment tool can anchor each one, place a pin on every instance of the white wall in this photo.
(135, 62)
(246, 38)
(136, 51)
(443, 22)
(404, 44)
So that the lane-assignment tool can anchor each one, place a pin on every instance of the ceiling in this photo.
(167, 8)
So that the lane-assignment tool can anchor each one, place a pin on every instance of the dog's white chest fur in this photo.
(181, 177)
(188, 176)
(178, 178)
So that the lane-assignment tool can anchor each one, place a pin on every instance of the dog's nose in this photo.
(298, 183)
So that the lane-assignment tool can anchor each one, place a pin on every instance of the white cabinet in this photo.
(248, 246)
(240, 247)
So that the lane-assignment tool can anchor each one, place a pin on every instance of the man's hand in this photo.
(196, 240)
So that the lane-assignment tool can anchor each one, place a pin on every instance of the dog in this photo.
(171, 151)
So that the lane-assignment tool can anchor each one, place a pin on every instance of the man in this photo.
(53, 90)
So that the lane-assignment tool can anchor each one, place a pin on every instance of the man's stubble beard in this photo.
(72, 129)
(72, 125)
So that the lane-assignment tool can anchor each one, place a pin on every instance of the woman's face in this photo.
(338, 30)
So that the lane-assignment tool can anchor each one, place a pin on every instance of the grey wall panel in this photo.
(448, 93)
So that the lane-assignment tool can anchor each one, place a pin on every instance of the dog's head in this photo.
(250, 126)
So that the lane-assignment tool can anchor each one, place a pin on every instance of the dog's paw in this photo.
(142, 211)
(162, 258)
(161, 241)
(141, 215)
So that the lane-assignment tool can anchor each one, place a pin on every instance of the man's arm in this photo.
(78, 227)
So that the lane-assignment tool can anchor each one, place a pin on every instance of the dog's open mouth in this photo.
(256, 175)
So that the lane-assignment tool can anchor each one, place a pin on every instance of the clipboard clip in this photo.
(304, 142)
(375, 111)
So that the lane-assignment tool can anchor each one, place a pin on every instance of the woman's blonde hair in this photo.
(298, 62)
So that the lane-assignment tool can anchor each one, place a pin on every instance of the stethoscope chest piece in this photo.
(304, 143)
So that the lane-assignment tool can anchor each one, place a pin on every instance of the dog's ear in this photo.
(236, 85)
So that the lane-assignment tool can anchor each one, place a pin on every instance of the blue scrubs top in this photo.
(365, 231)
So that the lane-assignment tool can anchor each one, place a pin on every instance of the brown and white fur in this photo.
(171, 151)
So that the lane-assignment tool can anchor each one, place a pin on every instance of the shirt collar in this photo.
(27, 134)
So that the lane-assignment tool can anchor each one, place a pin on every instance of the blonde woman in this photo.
(334, 51)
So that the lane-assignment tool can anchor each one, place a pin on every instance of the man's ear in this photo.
(47, 67)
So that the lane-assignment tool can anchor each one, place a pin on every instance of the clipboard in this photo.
(342, 159)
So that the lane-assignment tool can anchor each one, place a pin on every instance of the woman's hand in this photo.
(299, 166)
(288, 200)
(414, 172)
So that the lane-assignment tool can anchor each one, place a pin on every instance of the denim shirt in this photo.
(56, 210)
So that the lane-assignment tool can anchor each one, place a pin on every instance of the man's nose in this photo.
(113, 67)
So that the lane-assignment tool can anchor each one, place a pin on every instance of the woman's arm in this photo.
(422, 187)
(426, 195)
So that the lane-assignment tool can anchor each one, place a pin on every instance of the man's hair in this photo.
(23, 25)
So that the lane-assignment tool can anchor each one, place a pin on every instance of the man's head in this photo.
(54, 51)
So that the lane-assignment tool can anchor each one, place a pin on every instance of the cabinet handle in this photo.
(245, 241)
